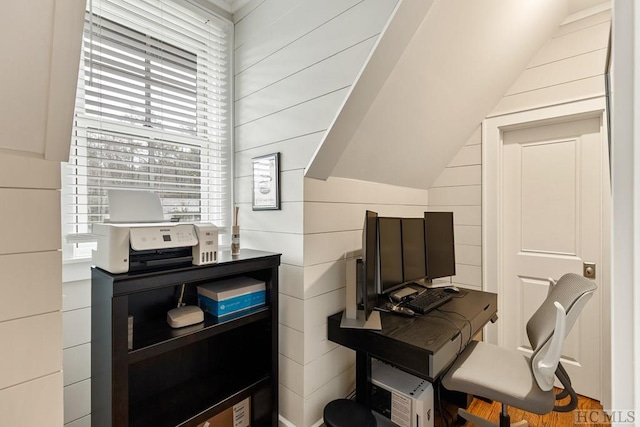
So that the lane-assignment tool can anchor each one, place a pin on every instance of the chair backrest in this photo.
(557, 313)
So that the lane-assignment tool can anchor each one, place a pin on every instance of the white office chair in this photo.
(508, 376)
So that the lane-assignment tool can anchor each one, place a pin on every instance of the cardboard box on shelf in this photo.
(229, 296)
(223, 419)
(239, 415)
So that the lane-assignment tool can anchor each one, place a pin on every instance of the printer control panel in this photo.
(162, 237)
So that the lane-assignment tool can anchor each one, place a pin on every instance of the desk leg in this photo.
(363, 377)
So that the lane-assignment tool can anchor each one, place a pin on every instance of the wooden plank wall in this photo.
(569, 67)
(38, 87)
(333, 219)
(294, 64)
(458, 189)
(30, 318)
(76, 343)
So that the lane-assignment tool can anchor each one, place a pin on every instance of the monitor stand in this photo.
(428, 283)
(351, 316)
(373, 322)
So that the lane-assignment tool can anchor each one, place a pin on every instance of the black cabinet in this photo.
(182, 377)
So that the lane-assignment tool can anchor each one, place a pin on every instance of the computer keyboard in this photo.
(429, 300)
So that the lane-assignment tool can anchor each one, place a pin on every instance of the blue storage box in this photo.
(232, 295)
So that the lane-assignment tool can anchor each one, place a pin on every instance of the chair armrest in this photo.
(544, 367)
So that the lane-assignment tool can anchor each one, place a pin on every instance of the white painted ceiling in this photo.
(440, 68)
(577, 5)
(234, 5)
(404, 122)
(230, 6)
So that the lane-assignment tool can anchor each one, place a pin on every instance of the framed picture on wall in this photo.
(266, 182)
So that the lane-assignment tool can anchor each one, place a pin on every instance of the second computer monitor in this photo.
(413, 249)
(390, 259)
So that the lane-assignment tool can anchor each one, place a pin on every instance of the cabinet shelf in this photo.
(155, 337)
(184, 376)
(184, 404)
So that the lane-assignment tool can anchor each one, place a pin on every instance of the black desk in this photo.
(423, 346)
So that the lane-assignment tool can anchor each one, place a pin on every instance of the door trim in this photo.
(492, 155)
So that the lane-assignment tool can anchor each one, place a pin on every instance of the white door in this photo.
(551, 225)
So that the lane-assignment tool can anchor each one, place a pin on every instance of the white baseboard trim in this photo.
(285, 422)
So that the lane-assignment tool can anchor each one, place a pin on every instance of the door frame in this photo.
(492, 206)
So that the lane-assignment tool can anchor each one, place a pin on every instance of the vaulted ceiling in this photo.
(234, 5)
(435, 75)
(438, 70)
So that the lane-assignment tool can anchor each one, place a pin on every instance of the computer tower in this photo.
(402, 398)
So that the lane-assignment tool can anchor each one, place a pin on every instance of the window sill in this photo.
(77, 269)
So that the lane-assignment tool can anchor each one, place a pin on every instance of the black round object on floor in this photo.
(347, 413)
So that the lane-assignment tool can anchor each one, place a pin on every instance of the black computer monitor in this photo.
(367, 291)
(390, 240)
(414, 265)
(439, 241)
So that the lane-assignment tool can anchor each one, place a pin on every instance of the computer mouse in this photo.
(452, 289)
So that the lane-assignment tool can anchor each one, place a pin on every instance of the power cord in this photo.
(444, 417)
(432, 314)
(466, 319)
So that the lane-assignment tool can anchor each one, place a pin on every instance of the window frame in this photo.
(78, 246)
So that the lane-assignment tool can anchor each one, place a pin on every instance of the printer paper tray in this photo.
(155, 259)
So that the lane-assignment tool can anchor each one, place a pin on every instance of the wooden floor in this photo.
(491, 411)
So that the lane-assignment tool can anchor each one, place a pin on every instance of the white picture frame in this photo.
(266, 182)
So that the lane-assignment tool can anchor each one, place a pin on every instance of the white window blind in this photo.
(152, 113)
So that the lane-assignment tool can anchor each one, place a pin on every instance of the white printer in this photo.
(137, 239)
(124, 248)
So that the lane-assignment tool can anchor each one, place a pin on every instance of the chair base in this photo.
(481, 422)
